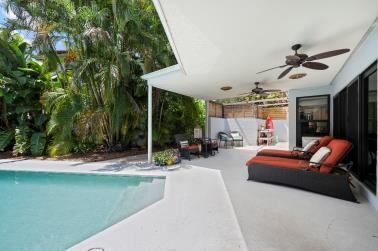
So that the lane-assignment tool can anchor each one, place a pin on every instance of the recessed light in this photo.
(297, 76)
(226, 88)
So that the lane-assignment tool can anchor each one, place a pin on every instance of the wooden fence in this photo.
(215, 110)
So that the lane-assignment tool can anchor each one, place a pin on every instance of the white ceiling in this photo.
(224, 42)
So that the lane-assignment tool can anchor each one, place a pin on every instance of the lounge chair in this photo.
(186, 149)
(237, 137)
(297, 153)
(226, 138)
(328, 178)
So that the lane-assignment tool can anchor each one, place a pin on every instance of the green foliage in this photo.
(6, 138)
(22, 81)
(94, 96)
(38, 142)
(167, 157)
(22, 138)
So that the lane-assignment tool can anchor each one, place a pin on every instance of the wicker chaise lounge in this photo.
(328, 178)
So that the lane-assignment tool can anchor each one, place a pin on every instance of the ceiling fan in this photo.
(260, 91)
(299, 59)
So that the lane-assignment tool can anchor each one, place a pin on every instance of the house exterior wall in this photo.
(361, 58)
(248, 128)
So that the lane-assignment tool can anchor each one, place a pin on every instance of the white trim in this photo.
(167, 29)
(161, 72)
(207, 118)
(149, 122)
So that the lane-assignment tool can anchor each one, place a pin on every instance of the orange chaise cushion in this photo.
(339, 148)
(278, 162)
(280, 153)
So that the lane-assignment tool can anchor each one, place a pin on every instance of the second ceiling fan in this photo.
(299, 59)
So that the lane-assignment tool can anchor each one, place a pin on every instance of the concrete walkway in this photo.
(280, 218)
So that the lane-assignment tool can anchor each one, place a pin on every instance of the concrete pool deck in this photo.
(195, 214)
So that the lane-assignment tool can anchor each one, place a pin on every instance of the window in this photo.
(312, 117)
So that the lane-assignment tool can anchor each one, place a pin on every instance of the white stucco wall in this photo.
(248, 128)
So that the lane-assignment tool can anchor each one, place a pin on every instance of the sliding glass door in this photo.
(369, 80)
(355, 119)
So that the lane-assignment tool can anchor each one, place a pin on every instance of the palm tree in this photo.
(110, 45)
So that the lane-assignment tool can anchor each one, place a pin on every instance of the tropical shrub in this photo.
(22, 81)
(98, 97)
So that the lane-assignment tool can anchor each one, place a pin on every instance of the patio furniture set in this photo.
(206, 146)
(317, 167)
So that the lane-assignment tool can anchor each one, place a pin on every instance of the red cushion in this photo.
(323, 141)
(191, 148)
(339, 148)
(279, 153)
(278, 162)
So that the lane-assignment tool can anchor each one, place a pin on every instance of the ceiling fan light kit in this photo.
(297, 75)
(226, 88)
(299, 59)
(260, 91)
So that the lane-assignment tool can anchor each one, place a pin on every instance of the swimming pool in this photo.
(54, 211)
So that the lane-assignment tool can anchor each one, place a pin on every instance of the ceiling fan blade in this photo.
(281, 66)
(315, 65)
(327, 54)
(283, 74)
(273, 90)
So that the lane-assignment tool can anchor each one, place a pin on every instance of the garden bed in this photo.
(85, 157)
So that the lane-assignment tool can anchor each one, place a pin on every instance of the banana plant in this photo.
(22, 81)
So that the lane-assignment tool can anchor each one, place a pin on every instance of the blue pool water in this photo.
(54, 211)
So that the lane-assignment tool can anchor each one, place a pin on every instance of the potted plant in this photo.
(166, 158)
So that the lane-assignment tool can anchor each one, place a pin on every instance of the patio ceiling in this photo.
(224, 43)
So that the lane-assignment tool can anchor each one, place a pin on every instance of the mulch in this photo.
(85, 157)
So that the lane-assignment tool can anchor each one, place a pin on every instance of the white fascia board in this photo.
(161, 72)
(160, 11)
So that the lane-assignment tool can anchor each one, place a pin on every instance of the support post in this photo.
(149, 142)
(206, 118)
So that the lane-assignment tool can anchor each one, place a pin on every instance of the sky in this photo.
(27, 36)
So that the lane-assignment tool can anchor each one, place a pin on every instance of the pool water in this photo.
(54, 211)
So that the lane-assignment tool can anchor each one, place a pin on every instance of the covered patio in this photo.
(221, 44)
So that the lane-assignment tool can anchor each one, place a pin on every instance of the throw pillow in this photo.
(184, 143)
(310, 144)
(320, 156)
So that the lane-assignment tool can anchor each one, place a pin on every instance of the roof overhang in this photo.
(224, 43)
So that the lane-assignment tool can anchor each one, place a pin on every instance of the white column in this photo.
(149, 142)
(206, 118)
